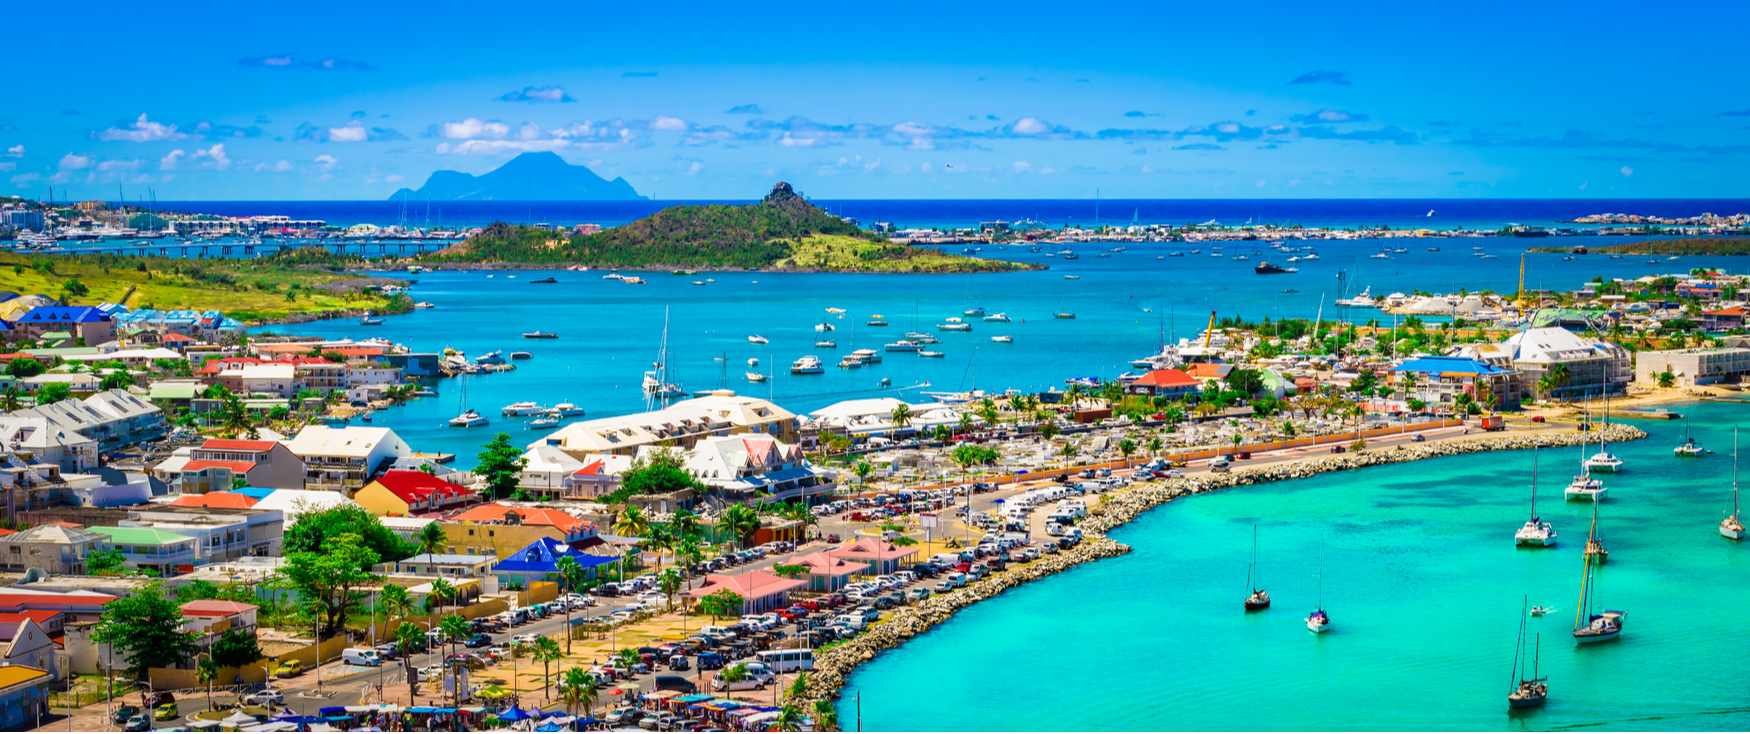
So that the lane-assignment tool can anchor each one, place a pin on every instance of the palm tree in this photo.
(1558, 374)
(443, 591)
(1048, 430)
(578, 689)
(741, 521)
(9, 398)
(547, 652)
(670, 581)
(901, 417)
(571, 575)
(394, 602)
(826, 718)
(965, 424)
(632, 522)
(234, 418)
(660, 539)
(1155, 445)
(1073, 394)
(863, 469)
(205, 671)
(789, 718)
(988, 411)
(410, 636)
(453, 628)
(432, 538)
(1127, 447)
(685, 522)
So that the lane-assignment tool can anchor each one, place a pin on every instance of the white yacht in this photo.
(903, 345)
(545, 421)
(1733, 527)
(566, 410)
(867, 356)
(998, 317)
(975, 311)
(757, 339)
(826, 344)
(823, 327)
(753, 361)
(468, 419)
(526, 407)
(1535, 533)
(809, 365)
(656, 387)
(1584, 487)
(850, 362)
(1004, 339)
(951, 326)
(755, 377)
(1604, 461)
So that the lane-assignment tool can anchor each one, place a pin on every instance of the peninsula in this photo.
(528, 177)
(783, 231)
(1695, 246)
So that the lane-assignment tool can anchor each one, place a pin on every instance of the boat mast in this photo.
(1321, 573)
(1519, 642)
(1252, 567)
(1534, 485)
(1585, 591)
(1734, 474)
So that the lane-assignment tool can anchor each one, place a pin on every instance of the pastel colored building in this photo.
(411, 493)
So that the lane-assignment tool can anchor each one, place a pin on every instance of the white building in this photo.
(113, 419)
(874, 417)
(721, 413)
(743, 468)
(344, 459)
(551, 472)
(1593, 366)
(292, 502)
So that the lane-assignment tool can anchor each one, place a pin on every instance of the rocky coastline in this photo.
(833, 667)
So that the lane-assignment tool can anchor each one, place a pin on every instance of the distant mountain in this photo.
(527, 177)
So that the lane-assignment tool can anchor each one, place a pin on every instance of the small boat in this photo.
(757, 339)
(1072, 277)
(1689, 449)
(1001, 318)
(753, 361)
(1527, 692)
(903, 345)
(424, 304)
(1535, 533)
(823, 327)
(755, 377)
(1260, 599)
(1590, 628)
(974, 311)
(1065, 315)
(886, 382)
(493, 357)
(1733, 526)
(521, 355)
(1539, 611)
(526, 407)
(367, 320)
(835, 310)
(850, 362)
(1005, 339)
(927, 354)
(875, 322)
(826, 344)
(954, 327)
(566, 410)
(1584, 487)
(698, 282)
(540, 335)
(468, 419)
(868, 356)
(1320, 621)
(1380, 256)
(546, 421)
(808, 365)
(543, 280)
(1265, 268)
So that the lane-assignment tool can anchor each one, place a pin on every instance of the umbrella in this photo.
(615, 692)
(287, 715)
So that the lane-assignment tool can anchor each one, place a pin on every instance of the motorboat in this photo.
(954, 327)
(867, 356)
(850, 362)
(566, 410)
(835, 310)
(540, 335)
(755, 377)
(1318, 621)
(1064, 316)
(546, 421)
(1689, 449)
(1072, 277)
(974, 311)
(1001, 318)
(1539, 611)
(808, 365)
(522, 355)
(1004, 339)
(543, 280)
(753, 361)
(468, 419)
(826, 344)
(492, 357)
(903, 345)
(526, 407)
(368, 320)
(823, 327)
(424, 304)
(927, 354)
(757, 339)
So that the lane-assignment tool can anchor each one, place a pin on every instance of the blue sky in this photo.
(844, 100)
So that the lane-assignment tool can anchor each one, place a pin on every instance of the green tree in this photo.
(331, 577)
(721, 604)
(669, 582)
(205, 672)
(1248, 381)
(1048, 431)
(53, 392)
(315, 527)
(826, 718)
(24, 367)
(432, 538)
(578, 689)
(117, 380)
(571, 575)
(501, 465)
(632, 522)
(9, 399)
(1667, 379)
(411, 638)
(901, 417)
(1127, 447)
(658, 473)
(863, 469)
(394, 602)
(547, 652)
(741, 521)
(145, 628)
(234, 649)
(105, 563)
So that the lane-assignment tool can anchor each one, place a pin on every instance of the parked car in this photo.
(675, 683)
(478, 641)
(123, 713)
(265, 696)
(137, 722)
(289, 669)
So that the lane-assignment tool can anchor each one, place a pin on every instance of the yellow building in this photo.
(500, 531)
(403, 493)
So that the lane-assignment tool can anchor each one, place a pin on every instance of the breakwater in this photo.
(833, 667)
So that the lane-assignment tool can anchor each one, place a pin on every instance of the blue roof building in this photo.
(87, 322)
(1439, 380)
(539, 561)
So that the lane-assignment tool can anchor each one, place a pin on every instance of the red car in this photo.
(807, 605)
(792, 613)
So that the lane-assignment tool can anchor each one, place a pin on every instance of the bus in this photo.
(786, 661)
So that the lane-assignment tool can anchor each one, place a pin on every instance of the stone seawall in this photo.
(833, 667)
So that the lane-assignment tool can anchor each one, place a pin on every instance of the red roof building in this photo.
(410, 492)
(1169, 383)
(759, 590)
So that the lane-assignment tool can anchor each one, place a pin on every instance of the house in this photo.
(503, 531)
(539, 561)
(25, 641)
(372, 375)
(1168, 383)
(760, 591)
(114, 418)
(46, 442)
(1439, 380)
(1206, 371)
(150, 549)
(222, 533)
(719, 413)
(24, 694)
(267, 378)
(212, 466)
(344, 459)
(210, 619)
(883, 556)
(1696, 366)
(448, 566)
(828, 573)
(550, 472)
(86, 322)
(1723, 319)
(754, 467)
(293, 501)
(411, 492)
(867, 417)
(234, 500)
(56, 549)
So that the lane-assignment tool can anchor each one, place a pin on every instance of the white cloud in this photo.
(926, 167)
(24, 178)
(474, 127)
(142, 131)
(393, 178)
(16, 151)
(1022, 166)
(325, 163)
(8, 166)
(215, 157)
(1030, 126)
(352, 132)
(793, 142)
(664, 122)
(71, 162)
(168, 163)
(127, 165)
(693, 170)
(282, 166)
(1626, 171)
(489, 147)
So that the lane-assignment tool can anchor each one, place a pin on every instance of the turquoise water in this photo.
(610, 332)
(1424, 587)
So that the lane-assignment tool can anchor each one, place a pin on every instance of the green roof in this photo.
(173, 392)
(51, 335)
(63, 352)
(141, 536)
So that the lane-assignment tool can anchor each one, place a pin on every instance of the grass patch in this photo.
(850, 254)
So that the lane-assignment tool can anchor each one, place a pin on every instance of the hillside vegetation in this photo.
(782, 231)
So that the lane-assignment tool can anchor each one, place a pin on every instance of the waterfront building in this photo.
(344, 459)
(1439, 380)
(86, 322)
(1696, 366)
(21, 219)
(1593, 366)
(1167, 383)
(828, 573)
(682, 425)
(867, 417)
(113, 419)
(760, 591)
(411, 492)
(550, 472)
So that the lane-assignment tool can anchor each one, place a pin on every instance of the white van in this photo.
(718, 632)
(950, 559)
(786, 661)
(361, 656)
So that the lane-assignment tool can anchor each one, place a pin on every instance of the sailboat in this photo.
(1584, 487)
(1319, 621)
(1594, 544)
(657, 387)
(1535, 533)
(1589, 628)
(1604, 461)
(469, 417)
(1689, 449)
(1733, 527)
(1260, 599)
(1527, 692)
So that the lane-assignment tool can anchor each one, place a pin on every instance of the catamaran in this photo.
(1733, 527)
(1527, 692)
(808, 365)
(1260, 599)
(1535, 533)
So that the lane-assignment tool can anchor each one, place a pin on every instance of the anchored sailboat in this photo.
(1319, 621)
(1689, 449)
(1260, 599)
(1584, 487)
(1604, 461)
(1733, 527)
(1535, 533)
(1601, 627)
(1527, 692)
(1594, 544)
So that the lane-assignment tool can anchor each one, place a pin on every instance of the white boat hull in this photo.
(1316, 626)
(1587, 639)
(1575, 493)
(1730, 532)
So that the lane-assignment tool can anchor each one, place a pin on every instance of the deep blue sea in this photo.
(1398, 213)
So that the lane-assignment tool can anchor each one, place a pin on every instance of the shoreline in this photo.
(1020, 267)
(833, 668)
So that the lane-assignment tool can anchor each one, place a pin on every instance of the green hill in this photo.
(783, 231)
(1686, 246)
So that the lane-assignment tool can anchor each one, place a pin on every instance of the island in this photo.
(1687, 246)
(782, 232)
(528, 177)
(293, 286)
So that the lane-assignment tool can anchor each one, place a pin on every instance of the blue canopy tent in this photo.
(514, 714)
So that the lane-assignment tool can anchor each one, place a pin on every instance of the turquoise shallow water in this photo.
(1424, 586)
(609, 332)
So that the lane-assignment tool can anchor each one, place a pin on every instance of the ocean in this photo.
(1398, 213)
(1424, 587)
(1125, 304)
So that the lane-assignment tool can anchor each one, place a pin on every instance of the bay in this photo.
(1424, 586)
